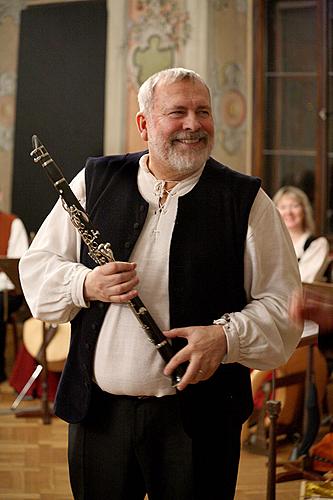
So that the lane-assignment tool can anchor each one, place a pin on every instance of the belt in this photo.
(125, 396)
(136, 398)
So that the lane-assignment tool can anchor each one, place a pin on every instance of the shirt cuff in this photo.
(232, 338)
(79, 276)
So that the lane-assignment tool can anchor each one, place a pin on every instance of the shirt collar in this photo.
(150, 187)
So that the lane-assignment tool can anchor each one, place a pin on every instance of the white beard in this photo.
(178, 161)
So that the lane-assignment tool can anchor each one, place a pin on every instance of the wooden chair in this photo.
(300, 465)
(289, 385)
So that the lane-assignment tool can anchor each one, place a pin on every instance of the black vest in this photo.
(206, 275)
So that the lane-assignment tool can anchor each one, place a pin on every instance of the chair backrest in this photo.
(328, 273)
(321, 296)
(321, 290)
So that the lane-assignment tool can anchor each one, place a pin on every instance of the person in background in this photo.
(206, 250)
(13, 243)
(311, 251)
(314, 305)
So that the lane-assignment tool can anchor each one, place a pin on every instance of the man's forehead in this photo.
(182, 91)
(185, 82)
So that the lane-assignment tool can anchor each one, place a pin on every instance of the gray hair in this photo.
(170, 75)
(303, 200)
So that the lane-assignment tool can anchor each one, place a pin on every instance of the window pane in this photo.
(289, 170)
(291, 113)
(292, 36)
(329, 211)
(330, 114)
(330, 38)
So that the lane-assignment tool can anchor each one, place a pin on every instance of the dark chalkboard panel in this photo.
(60, 97)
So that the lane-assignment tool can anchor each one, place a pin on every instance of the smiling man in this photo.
(207, 252)
(179, 126)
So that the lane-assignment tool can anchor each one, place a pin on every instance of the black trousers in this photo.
(127, 447)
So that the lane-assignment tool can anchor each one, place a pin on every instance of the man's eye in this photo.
(204, 113)
(176, 113)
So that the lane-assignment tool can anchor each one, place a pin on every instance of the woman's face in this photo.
(292, 212)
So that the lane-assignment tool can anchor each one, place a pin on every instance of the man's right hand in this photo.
(112, 282)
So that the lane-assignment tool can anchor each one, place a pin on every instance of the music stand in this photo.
(10, 267)
(294, 471)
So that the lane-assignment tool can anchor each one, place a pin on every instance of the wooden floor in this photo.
(33, 460)
(32, 454)
(33, 457)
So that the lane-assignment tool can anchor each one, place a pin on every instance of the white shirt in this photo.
(260, 336)
(17, 245)
(313, 261)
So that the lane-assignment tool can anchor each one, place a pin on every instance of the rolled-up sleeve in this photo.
(262, 336)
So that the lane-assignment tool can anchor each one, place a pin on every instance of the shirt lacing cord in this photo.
(160, 190)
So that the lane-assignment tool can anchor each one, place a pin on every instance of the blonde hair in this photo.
(303, 200)
(170, 75)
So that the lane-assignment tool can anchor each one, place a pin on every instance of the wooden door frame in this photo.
(259, 99)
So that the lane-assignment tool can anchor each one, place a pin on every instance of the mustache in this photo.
(188, 136)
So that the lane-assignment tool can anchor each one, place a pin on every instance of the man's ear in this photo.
(142, 125)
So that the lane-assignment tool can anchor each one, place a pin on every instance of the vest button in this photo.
(127, 244)
(136, 225)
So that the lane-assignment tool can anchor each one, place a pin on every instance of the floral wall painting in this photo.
(148, 60)
(157, 31)
(7, 110)
(240, 5)
(11, 8)
(229, 105)
(9, 22)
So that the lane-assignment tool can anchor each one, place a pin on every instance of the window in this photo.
(293, 95)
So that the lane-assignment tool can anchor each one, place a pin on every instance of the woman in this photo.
(311, 252)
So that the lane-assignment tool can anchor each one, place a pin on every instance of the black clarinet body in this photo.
(101, 252)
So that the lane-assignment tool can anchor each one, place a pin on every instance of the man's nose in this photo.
(191, 121)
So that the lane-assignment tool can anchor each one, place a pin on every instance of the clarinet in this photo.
(101, 252)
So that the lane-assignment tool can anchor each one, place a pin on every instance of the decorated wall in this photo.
(212, 37)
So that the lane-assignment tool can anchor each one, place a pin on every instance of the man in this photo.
(13, 243)
(196, 240)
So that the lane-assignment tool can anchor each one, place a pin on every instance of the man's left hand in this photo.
(205, 350)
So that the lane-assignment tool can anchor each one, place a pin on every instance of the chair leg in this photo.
(12, 325)
(15, 336)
